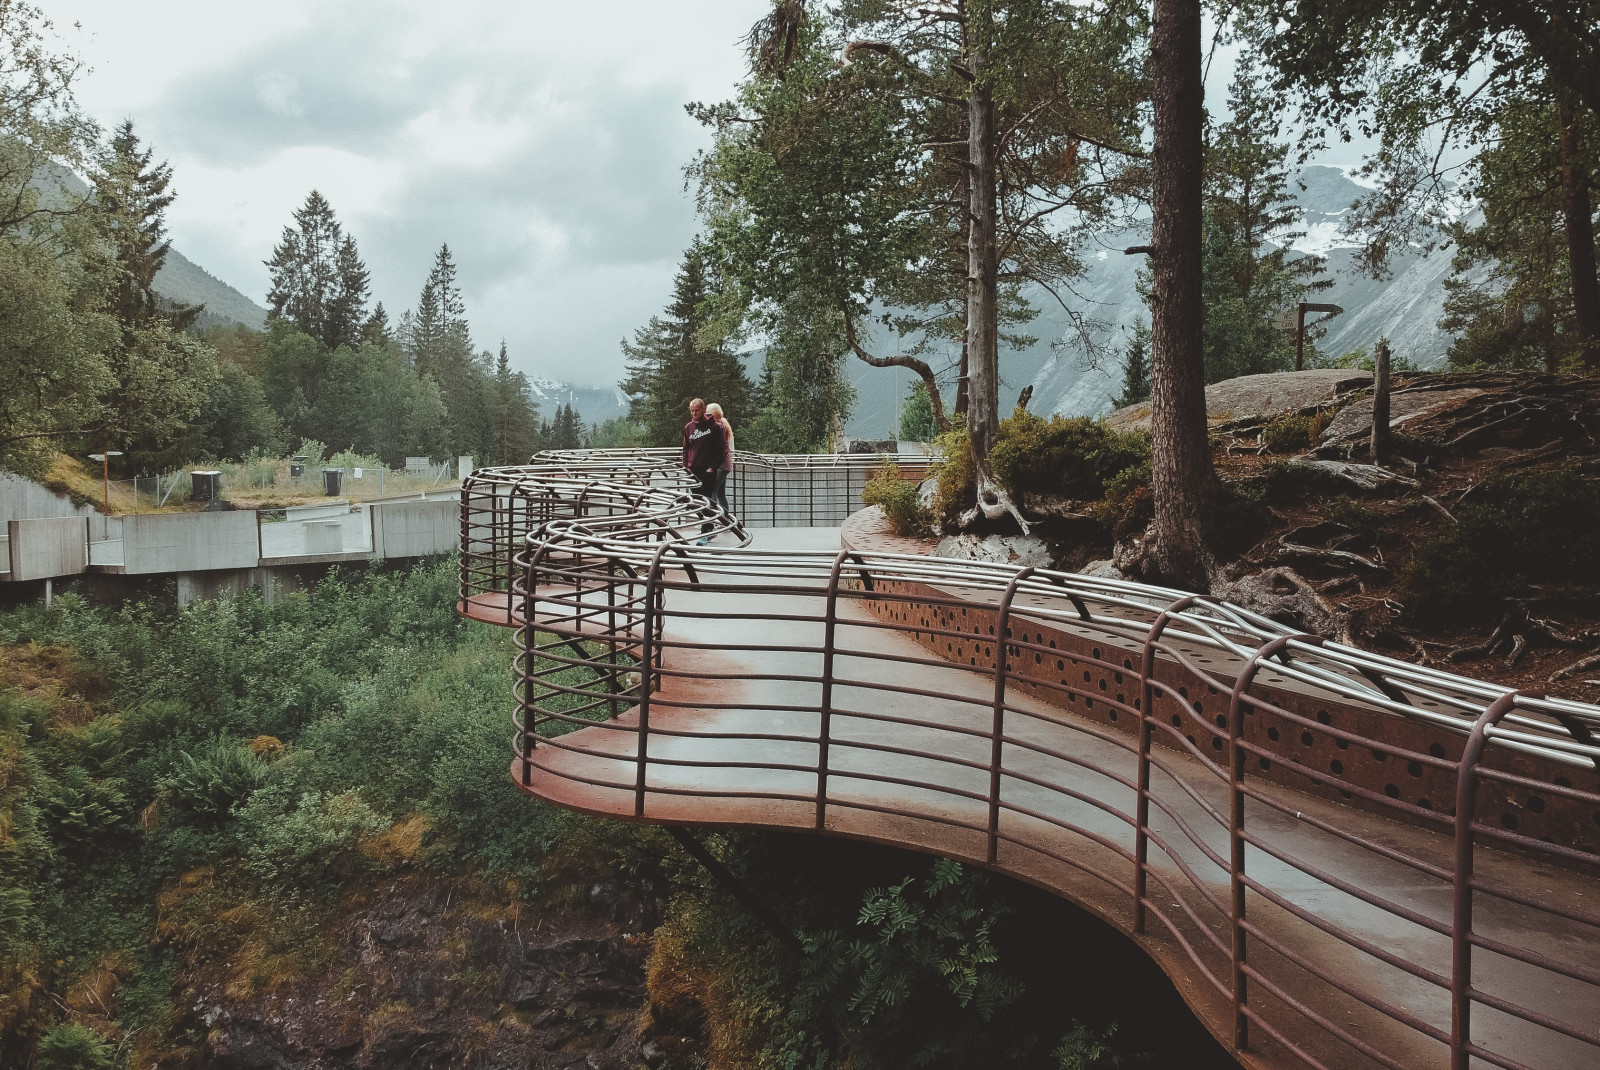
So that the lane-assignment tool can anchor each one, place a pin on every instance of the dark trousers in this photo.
(722, 490)
(706, 487)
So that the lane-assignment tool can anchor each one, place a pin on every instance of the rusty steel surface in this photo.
(1341, 859)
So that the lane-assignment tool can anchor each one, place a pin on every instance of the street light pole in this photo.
(105, 473)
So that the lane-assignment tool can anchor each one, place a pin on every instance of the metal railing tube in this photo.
(1141, 817)
(1002, 656)
(1238, 950)
(825, 722)
(648, 663)
(1461, 921)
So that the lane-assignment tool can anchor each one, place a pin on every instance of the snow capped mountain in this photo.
(594, 405)
(1103, 304)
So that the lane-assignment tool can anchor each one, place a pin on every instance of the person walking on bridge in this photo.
(704, 448)
(725, 471)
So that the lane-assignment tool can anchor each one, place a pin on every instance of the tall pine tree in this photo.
(347, 304)
(670, 361)
(131, 196)
(305, 266)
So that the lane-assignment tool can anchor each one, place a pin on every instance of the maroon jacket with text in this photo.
(704, 445)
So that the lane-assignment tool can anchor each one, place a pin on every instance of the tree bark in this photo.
(963, 392)
(1577, 208)
(1380, 402)
(1182, 477)
(983, 314)
(929, 383)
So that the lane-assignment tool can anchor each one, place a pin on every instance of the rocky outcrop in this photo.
(1019, 550)
(423, 977)
(1258, 396)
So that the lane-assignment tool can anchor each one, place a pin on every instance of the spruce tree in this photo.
(131, 198)
(1135, 368)
(375, 331)
(347, 305)
(670, 362)
(306, 270)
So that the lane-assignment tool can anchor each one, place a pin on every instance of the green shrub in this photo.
(1076, 458)
(206, 784)
(1291, 434)
(1238, 516)
(898, 499)
(954, 490)
(1128, 506)
(1515, 530)
(70, 1046)
(1072, 457)
(299, 843)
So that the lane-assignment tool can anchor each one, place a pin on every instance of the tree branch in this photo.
(929, 383)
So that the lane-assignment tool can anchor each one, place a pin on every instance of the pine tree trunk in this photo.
(963, 390)
(1182, 478)
(983, 316)
(1577, 207)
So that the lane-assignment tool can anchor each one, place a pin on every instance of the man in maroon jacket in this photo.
(702, 452)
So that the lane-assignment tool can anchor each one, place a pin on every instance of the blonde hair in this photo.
(714, 411)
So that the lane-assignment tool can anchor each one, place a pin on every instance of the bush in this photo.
(898, 499)
(70, 1046)
(298, 843)
(1291, 434)
(1128, 506)
(208, 783)
(1074, 458)
(1517, 530)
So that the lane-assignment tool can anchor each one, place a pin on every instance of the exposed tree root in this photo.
(1285, 596)
(1512, 633)
(1588, 661)
(1361, 476)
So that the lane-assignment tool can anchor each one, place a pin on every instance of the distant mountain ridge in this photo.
(1405, 308)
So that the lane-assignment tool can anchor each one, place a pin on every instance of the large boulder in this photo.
(1257, 396)
(1019, 550)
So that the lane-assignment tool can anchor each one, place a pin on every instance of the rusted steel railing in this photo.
(1342, 859)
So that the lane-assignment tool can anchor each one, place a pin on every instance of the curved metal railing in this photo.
(1343, 859)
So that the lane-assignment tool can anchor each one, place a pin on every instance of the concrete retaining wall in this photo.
(189, 542)
(45, 548)
(416, 529)
(23, 499)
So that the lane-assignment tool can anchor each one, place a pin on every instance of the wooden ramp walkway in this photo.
(1306, 926)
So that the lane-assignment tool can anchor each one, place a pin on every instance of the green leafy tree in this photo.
(1510, 298)
(806, 395)
(1426, 78)
(54, 331)
(916, 416)
(930, 158)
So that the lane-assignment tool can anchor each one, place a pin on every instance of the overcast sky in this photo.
(544, 141)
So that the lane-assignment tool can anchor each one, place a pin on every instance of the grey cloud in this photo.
(567, 236)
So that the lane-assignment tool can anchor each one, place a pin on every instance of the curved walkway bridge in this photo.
(1341, 860)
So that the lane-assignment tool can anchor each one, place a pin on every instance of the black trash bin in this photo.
(297, 466)
(332, 481)
(205, 485)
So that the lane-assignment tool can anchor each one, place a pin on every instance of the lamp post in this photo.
(105, 472)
